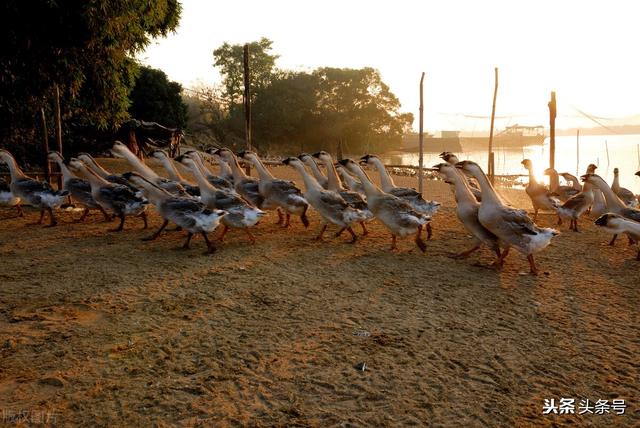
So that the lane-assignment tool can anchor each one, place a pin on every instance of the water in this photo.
(623, 154)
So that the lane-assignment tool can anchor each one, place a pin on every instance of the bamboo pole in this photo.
(578, 153)
(247, 102)
(45, 142)
(606, 147)
(490, 166)
(421, 140)
(552, 131)
(58, 130)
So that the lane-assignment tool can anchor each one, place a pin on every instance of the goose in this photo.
(562, 192)
(540, 196)
(8, 199)
(245, 185)
(513, 227)
(122, 151)
(354, 199)
(188, 213)
(467, 208)
(614, 204)
(410, 195)
(38, 194)
(95, 167)
(576, 205)
(119, 199)
(452, 159)
(626, 195)
(349, 180)
(330, 205)
(217, 181)
(226, 173)
(79, 189)
(282, 193)
(240, 214)
(309, 161)
(173, 172)
(395, 213)
(617, 224)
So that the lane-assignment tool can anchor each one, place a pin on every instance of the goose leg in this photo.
(121, 226)
(251, 237)
(354, 238)
(394, 244)
(287, 220)
(319, 237)
(631, 241)
(280, 216)
(535, 214)
(419, 241)
(364, 228)
(52, 218)
(143, 215)
(186, 244)
(338, 233)
(210, 247)
(560, 221)
(84, 215)
(613, 240)
(575, 225)
(505, 253)
(429, 231)
(107, 217)
(19, 208)
(304, 218)
(155, 235)
(225, 229)
(467, 253)
(41, 217)
(532, 265)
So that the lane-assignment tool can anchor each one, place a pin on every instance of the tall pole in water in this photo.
(247, 101)
(421, 137)
(491, 164)
(552, 131)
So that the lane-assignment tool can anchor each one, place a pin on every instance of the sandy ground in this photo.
(102, 329)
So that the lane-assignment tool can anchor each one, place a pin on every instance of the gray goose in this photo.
(226, 173)
(188, 213)
(79, 189)
(617, 224)
(119, 199)
(452, 160)
(624, 194)
(309, 161)
(562, 192)
(246, 186)
(173, 172)
(349, 180)
(513, 227)
(223, 181)
(38, 194)
(541, 197)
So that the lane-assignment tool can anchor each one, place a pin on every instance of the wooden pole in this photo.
(247, 102)
(58, 130)
(421, 140)
(552, 130)
(45, 142)
(578, 153)
(606, 147)
(490, 166)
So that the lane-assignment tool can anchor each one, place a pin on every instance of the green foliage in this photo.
(156, 99)
(300, 111)
(83, 47)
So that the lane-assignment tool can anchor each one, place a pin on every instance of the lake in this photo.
(622, 153)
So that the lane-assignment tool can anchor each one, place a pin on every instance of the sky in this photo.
(587, 51)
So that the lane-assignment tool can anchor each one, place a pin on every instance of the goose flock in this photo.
(344, 197)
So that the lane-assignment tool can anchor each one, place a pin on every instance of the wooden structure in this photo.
(421, 141)
(552, 131)
(491, 166)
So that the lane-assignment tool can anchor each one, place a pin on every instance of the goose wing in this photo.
(78, 185)
(285, 186)
(518, 221)
(119, 195)
(405, 193)
(29, 185)
(333, 201)
(631, 213)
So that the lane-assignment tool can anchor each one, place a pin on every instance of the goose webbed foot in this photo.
(53, 222)
(464, 254)
(631, 241)
(143, 215)
(210, 247)
(613, 240)
(321, 234)
(354, 237)
(394, 243)
(155, 235)
(107, 217)
(304, 218)
(419, 241)
(20, 212)
(280, 216)
(39, 220)
(120, 226)
(83, 217)
(365, 232)
(429, 231)
(186, 244)
(225, 229)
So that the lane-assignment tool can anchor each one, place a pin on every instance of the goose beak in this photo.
(583, 178)
(286, 161)
(179, 158)
(316, 155)
(602, 220)
(638, 173)
(343, 162)
(241, 154)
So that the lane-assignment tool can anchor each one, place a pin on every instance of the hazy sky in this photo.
(587, 51)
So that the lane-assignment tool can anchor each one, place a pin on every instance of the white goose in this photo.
(282, 193)
(354, 199)
(309, 161)
(576, 205)
(246, 186)
(467, 208)
(540, 196)
(513, 227)
(240, 214)
(220, 181)
(614, 204)
(626, 195)
(616, 224)
(7, 199)
(452, 160)
(38, 194)
(349, 180)
(330, 205)
(188, 213)
(563, 192)
(79, 189)
(397, 214)
(119, 199)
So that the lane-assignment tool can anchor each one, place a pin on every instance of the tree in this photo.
(230, 60)
(154, 98)
(83, 47)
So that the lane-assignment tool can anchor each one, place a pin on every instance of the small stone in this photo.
(361, 367)
(51, 381)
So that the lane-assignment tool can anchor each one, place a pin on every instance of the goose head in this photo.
(349, 164)
(157, 154)
(305, 157)
(446, 169)
(527, 163)
(291, 161)
(119, 149)
(469, 166)
(609, 220)
(638, 173)
(591, 169)
(616, 171)
(591, 179)
(247, 155)
(549, 171)
(449, 157)
(76, 165)
(137, 180)
(368, 159)
(323, 156)
(55, 156)
(6, 156)
(225, 154)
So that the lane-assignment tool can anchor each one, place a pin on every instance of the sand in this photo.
(102, 329)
